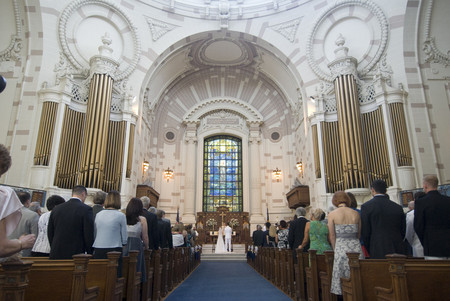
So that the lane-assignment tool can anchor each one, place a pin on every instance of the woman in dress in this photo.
(317, 233)
(220, 245)
(282, 235)
(177, 236)
(41, 247)
(137, 233)
(344, 225)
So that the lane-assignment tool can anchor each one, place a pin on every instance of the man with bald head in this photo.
(431, 220)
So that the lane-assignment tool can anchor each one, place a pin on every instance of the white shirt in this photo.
(228, 232)
(42, 245)
(411, 235)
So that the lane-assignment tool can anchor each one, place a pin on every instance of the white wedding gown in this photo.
(220, 246)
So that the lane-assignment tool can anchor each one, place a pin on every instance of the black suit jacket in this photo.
(258, 238)
(383, 227)
(152, 225)
(165, 234)
(70, 229)
(432, 223)
(297, 233)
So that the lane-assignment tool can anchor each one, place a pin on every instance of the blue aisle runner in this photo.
(220, 280)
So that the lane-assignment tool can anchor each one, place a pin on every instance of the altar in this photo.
(208, 224)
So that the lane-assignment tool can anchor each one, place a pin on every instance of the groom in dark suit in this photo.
(71, 227)
(383, 224)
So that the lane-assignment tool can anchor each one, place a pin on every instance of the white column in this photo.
(256, 216)
(190, 173)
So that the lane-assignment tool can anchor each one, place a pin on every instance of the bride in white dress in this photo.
(220, 246)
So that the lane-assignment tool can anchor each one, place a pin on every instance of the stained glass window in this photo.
(222, 173)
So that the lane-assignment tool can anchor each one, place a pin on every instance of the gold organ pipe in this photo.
(45, 133)
(401, 140)
(130, 151)
(316, 151)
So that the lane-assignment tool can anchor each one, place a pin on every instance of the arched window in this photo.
(222, 173)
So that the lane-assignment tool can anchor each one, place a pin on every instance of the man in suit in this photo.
(258, 236)
(383, 224)
(431, 220)
(228, 233)
(28, 223)
(297, 231)
(152, 224)
(164, 231)
(71, 227)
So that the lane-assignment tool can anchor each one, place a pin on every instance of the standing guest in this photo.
(432, 222)
(297, 231)
(344, 226)
(152, 223)
(383, 224)
(110, 229)
(258, 236)
(137, 233)
(28, 222)
(316, 233)
(282, 235)
(272, 236)
(411, 236)
(71, 227)
(353, 202)
(10, 214)
(165, 235)
(35, 207)
(99, 201)
(42, 247)
(177, 236)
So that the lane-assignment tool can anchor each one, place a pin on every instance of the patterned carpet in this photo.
(214, 280)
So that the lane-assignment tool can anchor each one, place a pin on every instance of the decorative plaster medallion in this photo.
(159, 28)
(432, 52)
(77, 26)
(365, 28)
(12, 52)
(287, 29)
(222, 52)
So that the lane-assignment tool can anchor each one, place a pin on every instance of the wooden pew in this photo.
(365, 275)
(132, 287)
(101, 273)
(164, 271)
(300, 277)
(14, 280)
(326, 277)
(147, 285)
(413, 280)
(290, 273)
(60, 280)
(157, 272)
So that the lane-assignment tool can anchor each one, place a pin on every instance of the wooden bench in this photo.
(147, 285)
(60, 280)
(132, 278)
(14, 280)
(300, 276)
(319, 275)
(413, 280)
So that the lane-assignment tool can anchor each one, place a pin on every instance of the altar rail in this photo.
(83, 278)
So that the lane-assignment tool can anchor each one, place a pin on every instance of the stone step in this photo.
(224, 257)
(237, 248)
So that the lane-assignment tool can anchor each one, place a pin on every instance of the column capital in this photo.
(343, 64)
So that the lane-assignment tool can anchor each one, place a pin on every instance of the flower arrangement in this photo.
(234, 222)
(211, 222)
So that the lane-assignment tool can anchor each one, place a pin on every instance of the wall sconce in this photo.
(312, 99)
(300, 167)
(277, 174)
(145, 166)
(168, 174)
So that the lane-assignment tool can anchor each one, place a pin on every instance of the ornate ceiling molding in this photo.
(12, 52)
(70, 19)
(379, 25)
(236, 106)
(433, 54)
(159, 28)
(288, 29)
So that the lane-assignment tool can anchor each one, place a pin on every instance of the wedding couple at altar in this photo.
(222, 247)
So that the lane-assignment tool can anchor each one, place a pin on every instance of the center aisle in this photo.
(219, 280)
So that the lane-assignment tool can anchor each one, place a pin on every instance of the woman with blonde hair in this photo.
(316, 232)
(344, 225)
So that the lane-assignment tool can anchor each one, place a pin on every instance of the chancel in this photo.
(225, 113)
